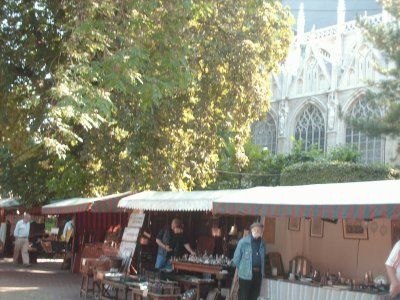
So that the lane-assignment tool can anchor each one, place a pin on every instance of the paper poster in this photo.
(136, 220)
(130, 234)
(127, 249)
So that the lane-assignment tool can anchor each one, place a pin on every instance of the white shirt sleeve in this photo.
(17, 228)
(394, 257)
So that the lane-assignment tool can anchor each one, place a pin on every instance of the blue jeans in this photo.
(163, 263)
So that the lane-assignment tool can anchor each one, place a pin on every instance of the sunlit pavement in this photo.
(44, 280)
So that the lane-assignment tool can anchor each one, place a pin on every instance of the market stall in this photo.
(95, 219)
(193, 208)
(343, 229)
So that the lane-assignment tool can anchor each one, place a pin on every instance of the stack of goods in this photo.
(162, 287)
(189, 295)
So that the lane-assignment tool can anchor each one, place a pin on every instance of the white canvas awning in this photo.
(67, 206)
(9, 203)
(358, 200)
(106, 203)
(173, 201)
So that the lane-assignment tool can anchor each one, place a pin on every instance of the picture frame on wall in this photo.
(316, 227)
(355, 229)
(395, 231)
(294, 224)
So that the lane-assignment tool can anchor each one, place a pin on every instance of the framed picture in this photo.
(317, 227)
(395, 231)
(355, 229)
(269, 230)
(333, 221)
(294, 224)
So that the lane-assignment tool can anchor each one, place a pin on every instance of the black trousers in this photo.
(250, 289)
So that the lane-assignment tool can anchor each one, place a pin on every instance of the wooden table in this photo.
(193, 267)
(105, 292)
(153, 296)
(201, 268)
(201, 286)
(137, 294)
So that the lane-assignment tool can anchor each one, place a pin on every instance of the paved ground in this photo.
(44, 280)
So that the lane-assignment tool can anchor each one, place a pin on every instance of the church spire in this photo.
(301, 21)
(341, 12)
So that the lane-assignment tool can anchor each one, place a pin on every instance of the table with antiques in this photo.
(196, 267)
(214, 265)
(110, 287)
(137, 293)
(283, 289)
(200, 285)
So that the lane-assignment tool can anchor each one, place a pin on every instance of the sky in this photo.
(322, 13)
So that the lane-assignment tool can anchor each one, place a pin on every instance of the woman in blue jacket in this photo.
(249, 260)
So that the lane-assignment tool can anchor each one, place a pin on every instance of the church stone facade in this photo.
(324, 78)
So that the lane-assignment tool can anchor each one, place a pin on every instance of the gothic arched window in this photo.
(264, 134)
(310, 128)
(371, 148)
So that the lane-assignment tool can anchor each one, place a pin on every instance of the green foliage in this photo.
(345, 154)
(336, 171)
(385, 37)
(118, 95)
(265, 168)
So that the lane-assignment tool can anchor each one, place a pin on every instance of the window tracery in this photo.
(310, 128)
(371, 148)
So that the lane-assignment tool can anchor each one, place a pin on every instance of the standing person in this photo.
(393, 271)
(249, 259)
(171, 241)
(21, 234)
(69, 229)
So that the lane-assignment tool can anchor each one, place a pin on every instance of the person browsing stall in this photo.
(69, 229)
(171, 242)
(249, 260)
(393, 271)
(21, 234)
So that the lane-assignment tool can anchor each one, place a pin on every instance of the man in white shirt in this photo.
(21, 234)
(393, 271)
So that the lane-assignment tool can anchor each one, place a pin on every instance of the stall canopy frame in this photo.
(353, 200)
(174, 201)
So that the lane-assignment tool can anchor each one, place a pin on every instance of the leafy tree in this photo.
(134, 94)
(385, 37)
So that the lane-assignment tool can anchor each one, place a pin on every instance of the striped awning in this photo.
(108, 203)
(355, 200)
(173, 201)
(67, 206)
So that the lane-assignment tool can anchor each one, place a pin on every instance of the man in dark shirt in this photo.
(171, 241)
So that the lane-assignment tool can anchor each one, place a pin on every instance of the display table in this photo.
(279, 289)
(109, 289)
(137, 294)
(202, 286)
(193, 267)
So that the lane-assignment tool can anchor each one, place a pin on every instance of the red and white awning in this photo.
(353, 200)
(108, 203)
